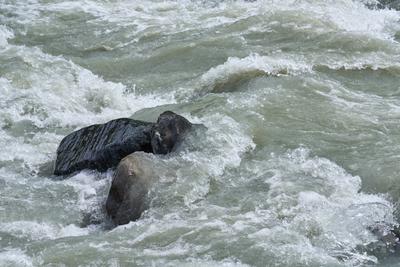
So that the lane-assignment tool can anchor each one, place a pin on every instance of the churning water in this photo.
(300, 158)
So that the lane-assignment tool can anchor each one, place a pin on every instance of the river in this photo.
(300, 157)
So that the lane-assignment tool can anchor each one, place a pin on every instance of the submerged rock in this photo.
(168, 132)
(102, 146)
(127, 198)
(388, 241)
(391, 4)
(382, 4)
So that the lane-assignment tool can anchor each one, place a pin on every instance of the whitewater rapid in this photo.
(299, 154)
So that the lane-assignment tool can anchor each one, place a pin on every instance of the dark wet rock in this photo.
(168, 132)
(391, 4)
(388, 241)
(102, 146)
(382, 4)
(127, 198)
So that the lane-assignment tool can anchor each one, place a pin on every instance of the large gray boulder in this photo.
(127, 198)
(102, 146)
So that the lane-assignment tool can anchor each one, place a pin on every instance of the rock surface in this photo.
(387, 242)
(102, 146)
(383, 4)
(391, 4)
(168, 132)
(127, 198)
(128, 193)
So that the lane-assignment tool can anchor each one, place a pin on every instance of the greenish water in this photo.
(301, 100)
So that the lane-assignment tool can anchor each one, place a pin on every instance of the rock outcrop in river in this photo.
(168, 132)
(382, 4)
(133, 177)
(102, 146)
(387, 242)
(391, 4)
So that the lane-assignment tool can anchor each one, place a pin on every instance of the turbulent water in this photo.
(301, 100)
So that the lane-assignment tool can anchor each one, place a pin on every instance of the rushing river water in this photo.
(301, 100)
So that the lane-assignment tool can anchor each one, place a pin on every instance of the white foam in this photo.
(90, 187)
(62, 93)
(351, 17)
(170, 17)
(15, 257)
(222, 147)
(39, 150)
(252, 64)
(148, 17)
(321, 202)
(226, 139)
(33, 230)
(5, 34)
